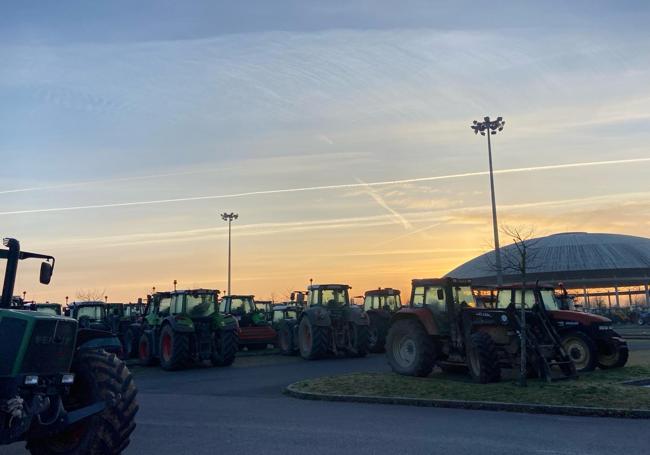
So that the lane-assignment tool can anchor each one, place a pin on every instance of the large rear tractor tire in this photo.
(410, 349)
(483, 358)
(285, 340)
(99, 377)
(613, 356)
(377, 333)
(582, 351)
(360, 335)
(227, 345)
(145, 351)
(174, 349)
(313, 340)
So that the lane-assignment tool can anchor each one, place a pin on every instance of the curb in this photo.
(529, 408)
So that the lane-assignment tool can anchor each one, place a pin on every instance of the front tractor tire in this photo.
(99, 377)
(582, 351)
(225, 349)
(377, 333)
(360, 340)
(285, 339)
(483, 358)
(410, 349)
(145, 351)
(174, 349)
(313, 340)
(613, 356)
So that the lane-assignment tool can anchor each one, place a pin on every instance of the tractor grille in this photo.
(12, 331)
(51, 347)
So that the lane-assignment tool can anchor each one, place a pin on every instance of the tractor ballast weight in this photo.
(60, 390)
(442, 326)
(329, 325)
(184, 327)
(380, 305)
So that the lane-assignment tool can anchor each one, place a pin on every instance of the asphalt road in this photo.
(241, 409)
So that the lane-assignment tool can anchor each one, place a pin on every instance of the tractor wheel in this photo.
(313, 340)
(99, 377)
(614, 356)
(483, 358)
(174, 349)
(377, 334)
(145, 353)
(129, 345)
(582, 350)
(410, 349)
(227, 345)
(285, 340)
(360, 337)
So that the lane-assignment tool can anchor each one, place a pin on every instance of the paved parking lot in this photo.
(241, 409)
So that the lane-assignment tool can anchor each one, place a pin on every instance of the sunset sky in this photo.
(125, 132)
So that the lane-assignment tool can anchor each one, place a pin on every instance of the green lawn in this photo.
(596, 389)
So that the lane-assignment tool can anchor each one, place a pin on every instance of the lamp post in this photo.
(491, 127)
(229, 217)
(175, 283)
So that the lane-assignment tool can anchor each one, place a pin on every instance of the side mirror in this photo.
(46, 272)
(441, 294)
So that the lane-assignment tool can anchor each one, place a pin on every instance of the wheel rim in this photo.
(166, 346)
(405, 352)
(578, 351)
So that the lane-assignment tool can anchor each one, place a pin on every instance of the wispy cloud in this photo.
(382, 203)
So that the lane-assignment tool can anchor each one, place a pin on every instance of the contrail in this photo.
(327, 187)
(380, 200)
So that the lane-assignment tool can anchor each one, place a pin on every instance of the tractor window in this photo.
(94, 313)
(463, 296)
(46, 310)
(200, 305)
(367, 303)
(529, 298)
(392, 302)
(431, 299)
(238, 306)
(504, 298)
(551, 302)
(334, 297)
(164, 305)
(177, 304)
(418, 296)
(278, 315)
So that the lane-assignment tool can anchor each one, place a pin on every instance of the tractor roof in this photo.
(186, 291)
(315, 287)
(441, 282)
(382, 292)
(238, 296)
(83, 304)
(517, 286)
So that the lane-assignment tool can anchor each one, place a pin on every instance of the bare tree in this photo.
(90, 295)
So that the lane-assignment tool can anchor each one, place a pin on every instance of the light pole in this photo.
(229, 217)
(491, 127)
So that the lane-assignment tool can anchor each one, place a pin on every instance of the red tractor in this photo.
(588, 338)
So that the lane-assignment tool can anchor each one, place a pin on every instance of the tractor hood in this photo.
(580, 317)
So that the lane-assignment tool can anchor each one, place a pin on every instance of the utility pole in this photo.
(491, 127)
(229, 217)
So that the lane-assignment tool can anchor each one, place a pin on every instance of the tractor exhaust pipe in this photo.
(13, 256)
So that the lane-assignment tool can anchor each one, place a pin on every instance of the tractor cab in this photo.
(53, 309)
(445, 298)
(283, 312)
(387, 299)
(380, 304)
(255, 329)
(329, 295)
(91, 315)
(265, 306)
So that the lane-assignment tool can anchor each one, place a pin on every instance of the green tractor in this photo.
(255, 330)
(328, 325)
(60, 390)
(380, 305)
(184, 327)
(47, 308)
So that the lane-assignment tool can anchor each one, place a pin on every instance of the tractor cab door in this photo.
(433, 298)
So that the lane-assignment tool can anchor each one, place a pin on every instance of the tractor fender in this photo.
(97, 339)
(358, 317)
(179, 324)
(423, 315)
(229, 324)
(317, 316)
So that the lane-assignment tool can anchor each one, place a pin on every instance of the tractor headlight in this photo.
(31, 380)
(67, 379)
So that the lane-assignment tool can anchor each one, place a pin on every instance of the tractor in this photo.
(442, 326)
(130, 328)
(328, 325)
(47, 308)
(380, 305)
(180, 328)
(60, 390)
(588, 338)
(280, 314)
(265, 306)
(256, 331)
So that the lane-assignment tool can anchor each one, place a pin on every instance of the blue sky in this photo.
(107, 103)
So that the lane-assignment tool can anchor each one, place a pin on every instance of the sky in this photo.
(338, 131)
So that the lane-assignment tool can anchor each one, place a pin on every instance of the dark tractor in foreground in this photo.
(181, 328)
(280, 317)
(60, 390)
(589, 339)
(329, 325)
(53, 309)
(443, 327)
(380, 305)
(255, 330)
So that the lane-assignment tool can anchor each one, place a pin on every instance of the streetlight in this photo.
(229, 217)
(175, 283)
(491, 127)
